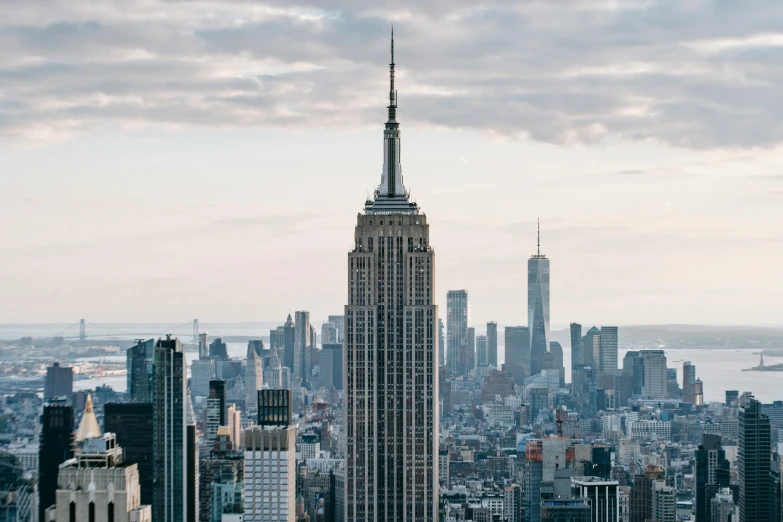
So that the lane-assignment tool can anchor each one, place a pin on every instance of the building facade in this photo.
(538, 307)
(457, 318)
(755, 495)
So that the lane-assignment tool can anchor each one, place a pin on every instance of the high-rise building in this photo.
(457, 319)
(664, 502)
(688, 382)
(654, 362)
(192, 470)
(330, 359)
(277, 339)
(608, 348)
(698, 392)
(216, 412)
(203, 345)
(339, 322)
(217, 351)
(441, 344)
(517, 345)
(222, 475)
(202, 371)
(254, 378)
(543, 460)
(602, 494)
(492, 344)
(170, 451)
(234, 423)
(591, 349)
(576, 345)
(132, 424)
(329, 333)
(97, 486)
(482, 358)
(270, 460)
(470, 352)
(712, 473)
(641, 497)
(755, 495)
(301, 348)
(289, 342)
(731, 396)
(55, 448)
(538, 307)
(273, 372)
(139, 368)
(557, 357)
(391, 350)
(58, 382)
(722, 507)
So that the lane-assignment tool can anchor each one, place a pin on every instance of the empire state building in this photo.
(391, 352)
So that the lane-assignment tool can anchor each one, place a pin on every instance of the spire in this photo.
(392, 92)
(88, 427)
(538, 221)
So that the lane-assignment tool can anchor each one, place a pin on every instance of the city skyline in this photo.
(668, 233)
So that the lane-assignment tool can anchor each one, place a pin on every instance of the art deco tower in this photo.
(391, 353)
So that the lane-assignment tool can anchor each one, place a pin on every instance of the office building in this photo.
(755, 495)
(492, 344)
(289, 343)
(576, 346)
(731, 396)
(722, 507)
(329, 333)
(192, 470)
(664, 502)
(234, 423)
(517, 345)
(457, 320)
(58, 382)
(482, 357)
(538, 307)
(591, 349)
(470, 353)
(608, 349)
(688, 382)
(712, 474)
(302, 339)
(441, 344)
(602, 496)
(203, 346)
(339, 322)
(273, 371)
(254, 378)
(132, 425)
(277, 339)
(641, 497)
(170, 445)
(544, 458)
(698, 392)
(222, 475)
(257, 345)
(202, 371)
(557, 360)
(139, 368)
(97, 486)
(55, 448)
(391, 351)
(218, 351)
(270, 460)
(655, 378)
(216, 412)
(331, 363)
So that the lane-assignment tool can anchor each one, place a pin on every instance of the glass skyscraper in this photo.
(538, 307)
(457, 318)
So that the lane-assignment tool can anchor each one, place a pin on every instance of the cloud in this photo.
(699, 74)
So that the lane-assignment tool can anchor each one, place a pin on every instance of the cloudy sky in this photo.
(163, 160)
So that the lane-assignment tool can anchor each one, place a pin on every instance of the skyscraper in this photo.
(132, 423)
(712, 473)
(59, 381)
(329, 333)
(457, 317)
(654, 362)
(254, 378)
(591, 349)
(170, 402)
(139, 366)
(557, 357)
(218, 351)
(688, 382)
(538, 306)
(216, 412)
(755, 495)
(517, 345)
(441, 344)
(289, 343)
(55, 448)
(391, 351)
(301, 347)
(339, 322)
(203, 345)
(273, 372)
(481, 351)
(470, 353)
(608, 344)
(576, 347)
(492, 344)
(330, 360)
(277, 339)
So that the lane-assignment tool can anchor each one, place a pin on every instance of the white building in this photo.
(95, 486)
(654, 374)
(498, 414)
(270, 474)
(254, 378)
(647, 429)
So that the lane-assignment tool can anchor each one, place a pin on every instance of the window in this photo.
(72, 516)
(91, 511)
(110, 513)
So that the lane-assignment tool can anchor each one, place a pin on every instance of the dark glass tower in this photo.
(56, 447)
(712, 473)
(59, 382)
(132, 423)
(274, 408)
(755, 495)
(492, 343)
(139, 365)
(169, 442)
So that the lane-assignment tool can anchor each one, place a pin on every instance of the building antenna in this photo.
(392, 92)
(538, 220)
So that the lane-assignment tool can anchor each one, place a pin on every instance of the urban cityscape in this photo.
(402, 406)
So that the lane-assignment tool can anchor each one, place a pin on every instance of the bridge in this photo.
(104, 331)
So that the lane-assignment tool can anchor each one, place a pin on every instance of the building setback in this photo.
(132, 424)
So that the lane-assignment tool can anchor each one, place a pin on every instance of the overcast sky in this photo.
(164, 160)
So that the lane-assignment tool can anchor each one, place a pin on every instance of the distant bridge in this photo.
(191, 328)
